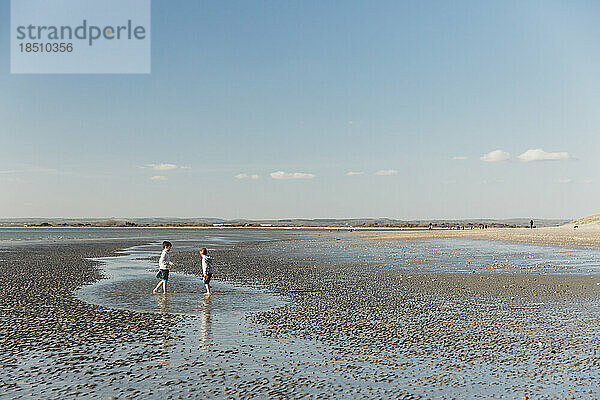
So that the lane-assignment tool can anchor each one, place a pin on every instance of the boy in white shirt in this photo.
(163, 267)
(206, 268)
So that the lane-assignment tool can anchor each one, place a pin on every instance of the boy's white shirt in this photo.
(165, 259)
(206, 264)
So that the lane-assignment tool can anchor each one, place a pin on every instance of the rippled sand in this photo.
(366, 314)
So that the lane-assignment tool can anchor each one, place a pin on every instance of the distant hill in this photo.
(291, 222)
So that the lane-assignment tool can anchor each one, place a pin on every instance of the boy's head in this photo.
(167, 245)
(203, 251)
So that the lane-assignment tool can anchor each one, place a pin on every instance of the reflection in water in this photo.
(161, 301)
(164, 307)
(163, 320)
(204, 324)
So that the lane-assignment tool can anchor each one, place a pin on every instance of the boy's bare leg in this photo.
(207, 289)
(156, 288)
(164, 286)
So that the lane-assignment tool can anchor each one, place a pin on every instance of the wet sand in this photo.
(46, 332)
(368, 332)
(440, 335)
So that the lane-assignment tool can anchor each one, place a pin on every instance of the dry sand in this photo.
(587, 236)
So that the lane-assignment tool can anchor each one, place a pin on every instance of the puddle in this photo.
(131, 278)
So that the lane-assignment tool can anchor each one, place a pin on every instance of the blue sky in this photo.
(316, 90)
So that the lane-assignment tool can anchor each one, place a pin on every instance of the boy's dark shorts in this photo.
(207, 279)
(163, 274)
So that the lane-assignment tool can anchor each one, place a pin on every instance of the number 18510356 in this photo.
(46, 47)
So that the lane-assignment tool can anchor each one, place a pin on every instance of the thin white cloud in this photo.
(37, 170)
(42, 170)
(291, 175)
(541, 155)
(586, 181)
(450, 182)
(185, 167)
(354, 173)
(386, 172)
(459, 158)
(495, 156)
(158, 178)
(162, 166)
(564, 181)
(246, 176)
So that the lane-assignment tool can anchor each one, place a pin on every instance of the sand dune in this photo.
(591, 221)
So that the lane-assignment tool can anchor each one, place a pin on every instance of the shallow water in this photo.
(56, 234)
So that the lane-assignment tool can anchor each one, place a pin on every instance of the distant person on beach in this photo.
(531, 224)
(163, 267)
(206, 268)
